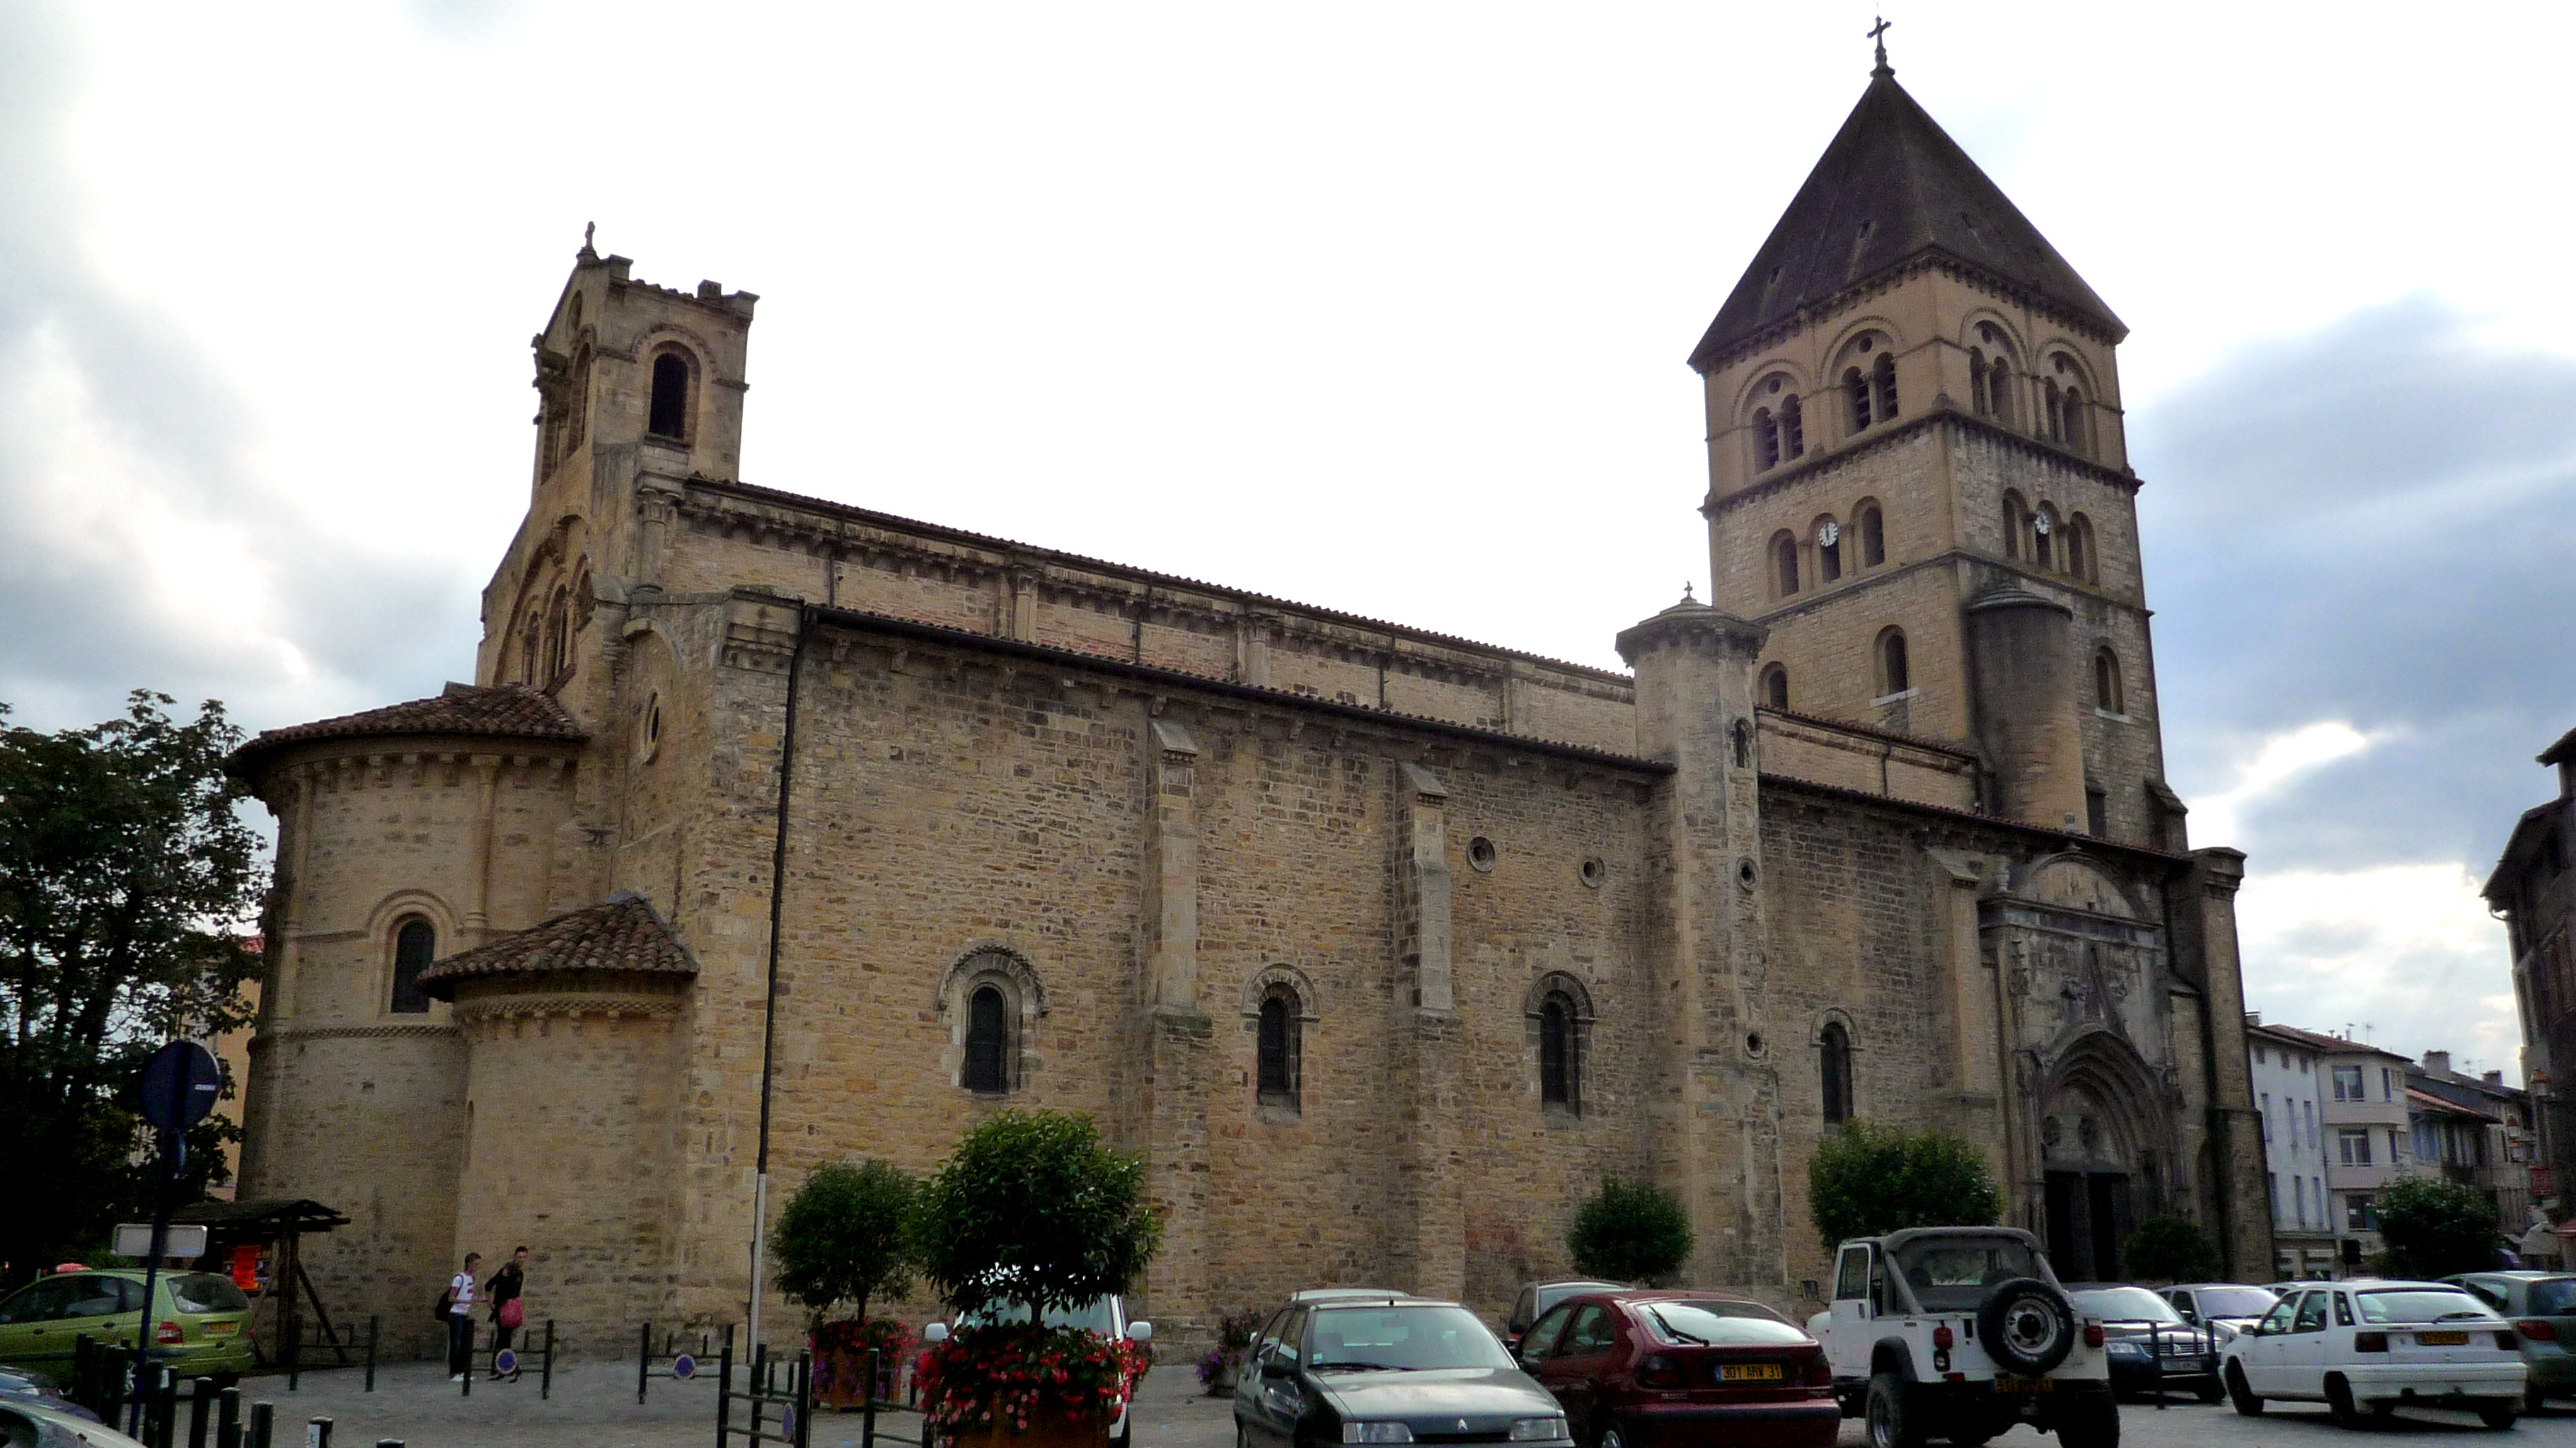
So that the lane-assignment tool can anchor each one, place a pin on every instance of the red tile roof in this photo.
(623, 934)
(508, 711)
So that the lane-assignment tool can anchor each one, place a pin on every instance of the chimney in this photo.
(2253, 1018)
(2495, 1079)
(2437, 1064)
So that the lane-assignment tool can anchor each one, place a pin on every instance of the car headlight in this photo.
(1376, 1433)
(1537, 1430)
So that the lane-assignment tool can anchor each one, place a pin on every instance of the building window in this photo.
(1872, 527)
(1834, 1068)
(1829, 551)
(1977, 401)
(2259, 1059)
(1793, 428)
(1784, 563)
(2354, 1144)
(1856, 392)
(1775, 686)
(2097, 814)
(1894, 677)
(2347, 1084)
(2106, 681)
(1766, 440)
(1560, 1053)
(1882, 376)
(2016, 526)
(669, 414)
(1281, 1049)
(2081, 558)
(2073, 420)
(2043, 537)
(415, 946)
(988, 1041)
(2386, 1089)
(2359, 1215)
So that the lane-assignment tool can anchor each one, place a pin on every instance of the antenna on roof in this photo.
(1878, 33)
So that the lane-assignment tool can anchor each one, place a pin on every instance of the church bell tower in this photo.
(1919, 480)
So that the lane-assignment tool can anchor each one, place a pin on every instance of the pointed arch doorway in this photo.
(2102, 1157)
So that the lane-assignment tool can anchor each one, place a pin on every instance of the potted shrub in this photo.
(843, 1238)
(1033, 1216)
(1222, 1366)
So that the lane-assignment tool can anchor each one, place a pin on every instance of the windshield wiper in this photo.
(1675, 1332)
(1337, 1367)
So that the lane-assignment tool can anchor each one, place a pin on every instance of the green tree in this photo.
(1867, 1180)
(841, 1238)
(1034, 1208)
(2170, 1249)
(127, 879)
(1630, 1232)
(2433, 1227)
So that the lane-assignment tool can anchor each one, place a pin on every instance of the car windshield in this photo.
(1365, 1339)
(1718, 1324)
(2418, 1304)
(2555, 1297)
(1092, 1316)
(2233, 1301)
(1951, 1274)
(206, 1292)
(2124, 1304)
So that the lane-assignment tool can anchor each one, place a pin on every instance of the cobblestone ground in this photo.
(594, 1407)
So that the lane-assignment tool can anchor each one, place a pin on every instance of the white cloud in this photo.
(2275, 763)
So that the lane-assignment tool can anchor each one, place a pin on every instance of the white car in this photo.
(2373, 1345)
(1106, 1316)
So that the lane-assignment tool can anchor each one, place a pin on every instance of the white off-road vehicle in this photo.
(1959, 1333)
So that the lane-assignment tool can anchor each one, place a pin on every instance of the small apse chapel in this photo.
(1381, 947)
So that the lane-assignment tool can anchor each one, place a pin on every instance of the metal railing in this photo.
(774, 1411)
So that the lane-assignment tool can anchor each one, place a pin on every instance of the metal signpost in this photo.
(179, 1088)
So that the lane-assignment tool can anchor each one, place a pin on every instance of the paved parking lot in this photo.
(594, 1407)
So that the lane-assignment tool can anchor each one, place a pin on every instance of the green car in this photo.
(202, 1327)
(2542, 1306)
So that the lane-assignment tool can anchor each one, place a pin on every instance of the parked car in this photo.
(1638, 1369)
(42, 1391)
(2542, 1306)
(2373, 1345)
(2152, 1349)
(2225, 1308)
(1962, 1332)
(1106, 1316)
(1537, 1297)
(200, 1321)
(25, 1423)
(1391, 1369)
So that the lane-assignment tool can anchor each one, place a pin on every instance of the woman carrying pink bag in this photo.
(508, 1312)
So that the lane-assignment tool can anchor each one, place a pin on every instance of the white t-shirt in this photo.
(461, 1294)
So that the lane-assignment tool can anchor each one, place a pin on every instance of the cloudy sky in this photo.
(1381, 306)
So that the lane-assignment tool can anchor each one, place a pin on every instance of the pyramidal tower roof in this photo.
(1892, 187)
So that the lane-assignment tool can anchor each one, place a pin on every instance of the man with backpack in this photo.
(458, 1300)
(508, 1313)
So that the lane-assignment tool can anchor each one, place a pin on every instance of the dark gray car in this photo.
(1387, 1370)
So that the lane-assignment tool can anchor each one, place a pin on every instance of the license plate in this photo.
(222, 1329)
(2443, 1339)
(2025, 1385)
(1749, 1373)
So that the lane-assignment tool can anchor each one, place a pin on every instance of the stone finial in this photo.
(587, 253)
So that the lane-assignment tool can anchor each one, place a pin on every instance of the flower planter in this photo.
(1048, 1428)
(1221, 1383)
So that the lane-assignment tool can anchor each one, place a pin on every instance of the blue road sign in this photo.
(684, 1366)
(179, 1086)
(505, 1361)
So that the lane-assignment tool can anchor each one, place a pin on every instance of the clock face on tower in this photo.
(1827, 535)
(2039, 525)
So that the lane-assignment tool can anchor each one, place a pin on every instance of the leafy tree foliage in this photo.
(1630, 1232)
(1034, 1209)
(842, 1237)
(1867, 1180)
(127, 879)
(2171, 1249)
(2433, 1227)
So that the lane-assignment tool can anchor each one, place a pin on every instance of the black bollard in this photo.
(200, 1403)
(263, 1426)
(469, 1359)
(373, 1323)
(228, 1433)
(318, 1434)
(643, 1361)
(546, 1374)
(868, 1409)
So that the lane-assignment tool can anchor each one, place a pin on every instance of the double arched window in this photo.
(1990, 374)
(1834, 1070)
(2061, 402)
(415, 946)
(1779, 424)
(1869, 383)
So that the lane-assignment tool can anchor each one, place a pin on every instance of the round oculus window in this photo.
(1480, 854)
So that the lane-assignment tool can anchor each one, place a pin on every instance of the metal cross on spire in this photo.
(1878, 34)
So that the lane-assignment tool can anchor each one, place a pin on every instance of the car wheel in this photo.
(2339, 1404)
(2093, 1424)
(2242, 1394)
(2212, 1390)
(2498, 1414)
(1890, 1426)
(1611, 1437)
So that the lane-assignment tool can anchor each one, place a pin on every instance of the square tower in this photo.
(1919, 482)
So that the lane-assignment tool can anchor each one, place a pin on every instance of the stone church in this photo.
(1381, 947)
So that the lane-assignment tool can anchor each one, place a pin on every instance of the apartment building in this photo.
(2475, 1130)
(2366, 1135)
(2290, 1078)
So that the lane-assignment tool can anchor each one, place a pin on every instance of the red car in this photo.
(1676, 1369)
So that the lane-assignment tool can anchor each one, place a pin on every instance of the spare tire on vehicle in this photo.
(2026, 1325)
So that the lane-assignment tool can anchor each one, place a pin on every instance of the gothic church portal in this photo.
(1382, 947)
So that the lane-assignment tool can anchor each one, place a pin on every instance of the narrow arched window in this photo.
(1277, 1069)
(2016, 527)
(1560, 1052)
(2106, 681)
(1856, 390)
(1775, 686)
(1829, 551)
(1784, 564)
(1894, 677)
(1873, 537)
(1999, 390)
(669, 416)
(1834, 1065)
(1766, 440)
(1793, 428)
(1883, 380)
(2052, 411)
(1977, 399)
(415, 946)
(2043, 537)
(2073, 409)
(988, 1041)
(558, 634)
(2079, 547)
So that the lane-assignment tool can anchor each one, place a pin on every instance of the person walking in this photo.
(460, 1320)
(507, 1311)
